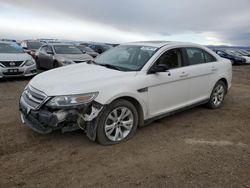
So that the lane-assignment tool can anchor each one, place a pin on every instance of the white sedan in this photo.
(128, 86)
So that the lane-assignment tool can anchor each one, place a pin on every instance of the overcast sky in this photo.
(200, 21)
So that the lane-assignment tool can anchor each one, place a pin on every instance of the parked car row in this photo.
(46, 53)
(237, 57)
(53, 53)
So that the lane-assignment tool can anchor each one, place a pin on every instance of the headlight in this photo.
(65, 61)
(71, 100)
(29, 62)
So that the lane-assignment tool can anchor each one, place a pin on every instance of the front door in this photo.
(168, 91)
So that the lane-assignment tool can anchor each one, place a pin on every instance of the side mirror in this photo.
(158, 68)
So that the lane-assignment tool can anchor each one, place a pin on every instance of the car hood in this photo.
(93, 53)
(74, 57)
(78, 79)
(14, 57)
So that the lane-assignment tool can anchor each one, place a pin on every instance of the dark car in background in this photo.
(31, 46)
(98, 47)
(52, 55)
(88, 50)
(237, 60)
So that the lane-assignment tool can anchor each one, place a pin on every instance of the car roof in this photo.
(7, 42)
(32, 41)
(159, 44)
(59, 44)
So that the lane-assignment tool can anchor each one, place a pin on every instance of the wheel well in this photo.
(137, 106)
(225, 82)
(55, 63)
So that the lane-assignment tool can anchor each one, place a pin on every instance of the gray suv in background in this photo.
(14, 61)
(52, 55)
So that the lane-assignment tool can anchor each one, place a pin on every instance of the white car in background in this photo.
(128, 86)
(14, 61)
(237, 53)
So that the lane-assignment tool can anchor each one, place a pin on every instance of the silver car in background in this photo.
(14, 61)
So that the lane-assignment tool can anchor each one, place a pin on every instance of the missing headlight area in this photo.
(45, 120)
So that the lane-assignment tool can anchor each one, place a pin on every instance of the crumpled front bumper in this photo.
(45, 120)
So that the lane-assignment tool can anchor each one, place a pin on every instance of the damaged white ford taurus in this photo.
(126, 87)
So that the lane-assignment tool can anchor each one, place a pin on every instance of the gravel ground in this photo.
(195, 148)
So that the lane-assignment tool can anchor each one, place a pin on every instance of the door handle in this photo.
(213, 69)
(183, 75)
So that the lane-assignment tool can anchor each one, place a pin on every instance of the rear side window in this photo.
(209, 57)
(195, 56)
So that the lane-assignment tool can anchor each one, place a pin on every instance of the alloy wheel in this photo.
(119, 124)
(218, 95)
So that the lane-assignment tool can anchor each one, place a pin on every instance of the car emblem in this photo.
(12, 64)
(28, 110)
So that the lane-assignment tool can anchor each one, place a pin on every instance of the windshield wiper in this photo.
(91, 62)
(110, 66)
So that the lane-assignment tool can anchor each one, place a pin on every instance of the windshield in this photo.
(127, 57)
(34, 45)
(10, 48)
(65, 49)
(85, 49)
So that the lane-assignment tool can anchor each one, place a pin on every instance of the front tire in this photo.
(218, 95)
(117, 123)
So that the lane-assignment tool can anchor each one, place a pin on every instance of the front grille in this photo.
(11, 63)
(33, 97)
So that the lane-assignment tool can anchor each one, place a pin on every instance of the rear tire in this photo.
(117, 123)
(217, 96)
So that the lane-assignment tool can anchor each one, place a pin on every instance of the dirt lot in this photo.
(196, 148)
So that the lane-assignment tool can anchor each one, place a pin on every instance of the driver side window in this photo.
(43, 49)
(49, 50)
(171, 58)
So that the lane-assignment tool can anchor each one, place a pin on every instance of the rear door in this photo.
(202, 67)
